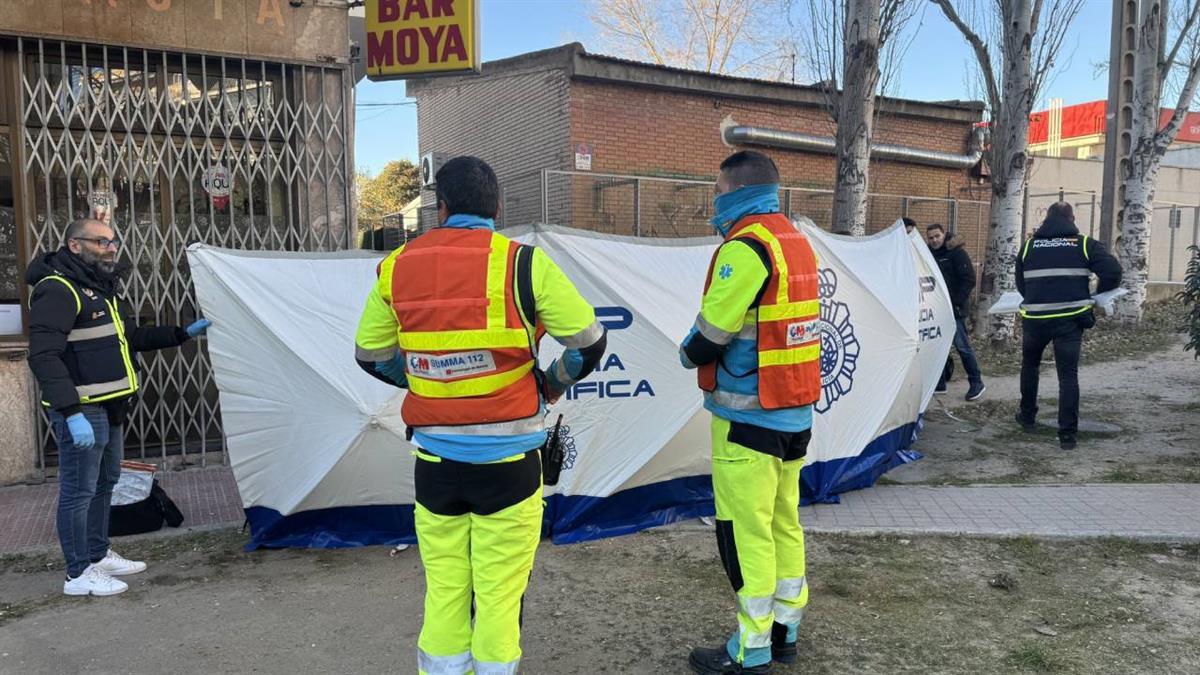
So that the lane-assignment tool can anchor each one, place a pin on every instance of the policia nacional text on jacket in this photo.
(456, 317)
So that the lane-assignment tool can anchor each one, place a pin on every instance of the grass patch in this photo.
(1122, 474)
(1169, 469)
(1036, 657)
(885, 604)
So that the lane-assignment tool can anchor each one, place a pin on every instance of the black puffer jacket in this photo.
(52, 315)
(955, 263)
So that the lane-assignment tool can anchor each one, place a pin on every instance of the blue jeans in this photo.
(85, 484)
(962, 344)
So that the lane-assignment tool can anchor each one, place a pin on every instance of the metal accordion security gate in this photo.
(180, 148)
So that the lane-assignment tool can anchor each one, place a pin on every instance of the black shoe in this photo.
(1066, 442)
(940, 389)
(976, 391)
(1027, 426)
(716, 661)
(782, 650)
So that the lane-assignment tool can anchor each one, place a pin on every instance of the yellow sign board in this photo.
(413, 38)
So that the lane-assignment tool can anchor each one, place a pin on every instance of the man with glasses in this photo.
(82, 336)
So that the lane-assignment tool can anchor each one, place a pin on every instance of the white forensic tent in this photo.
(318, 447)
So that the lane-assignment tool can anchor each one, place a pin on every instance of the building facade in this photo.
(630, 148)
(227, 122)
(1077, 131)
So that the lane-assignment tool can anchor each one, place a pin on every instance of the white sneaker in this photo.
(94, 582)
(117, 565)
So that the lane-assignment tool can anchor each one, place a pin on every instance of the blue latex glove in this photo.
(198, 327)
(82, 434)
(394, 370)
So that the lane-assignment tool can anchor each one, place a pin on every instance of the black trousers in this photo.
(1066, 334)
(450, 488)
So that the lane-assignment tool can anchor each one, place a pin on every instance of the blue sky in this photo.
(937, 66)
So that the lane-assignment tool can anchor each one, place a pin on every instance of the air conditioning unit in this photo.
(430, 163)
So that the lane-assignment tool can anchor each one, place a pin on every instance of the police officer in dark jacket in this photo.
(958, 272)
(82, 339)
(1053, 273)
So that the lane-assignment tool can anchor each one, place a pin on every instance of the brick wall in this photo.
(646, 131)
(526, 120)
(516, 122)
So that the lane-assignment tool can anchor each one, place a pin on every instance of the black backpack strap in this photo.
(523, 292)
(523, 287)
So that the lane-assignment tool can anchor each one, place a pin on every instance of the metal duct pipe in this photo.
(735, 134)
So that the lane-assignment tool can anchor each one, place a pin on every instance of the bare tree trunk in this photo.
(1137, 207)
(1009, 175)
(1027, 27)
(856, 116)
(1149, 143)
(1009, 163)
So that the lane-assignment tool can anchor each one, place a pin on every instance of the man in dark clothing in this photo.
(959, 275)
(1053, 272)
(82, 336)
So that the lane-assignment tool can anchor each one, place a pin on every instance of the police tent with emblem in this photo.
(319, 451)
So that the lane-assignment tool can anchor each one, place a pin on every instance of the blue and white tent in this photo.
(318, 447)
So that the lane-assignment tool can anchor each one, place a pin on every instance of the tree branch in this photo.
(1165, 68)
(1062, 14)
(1165, 136)
(981, 52)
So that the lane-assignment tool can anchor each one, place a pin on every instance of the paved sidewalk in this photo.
(206, 497)
(1158, 512)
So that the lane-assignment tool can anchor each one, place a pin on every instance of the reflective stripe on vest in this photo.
(529, 425)
(1058, 272)
(785, 325)
(1050, 306)
(468, 356)
(92, 333)
(88, 391)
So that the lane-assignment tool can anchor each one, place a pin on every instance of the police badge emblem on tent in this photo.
(839, 346)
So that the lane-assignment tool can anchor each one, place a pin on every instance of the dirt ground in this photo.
(637, 604)
(634, 604)
(1154, 397)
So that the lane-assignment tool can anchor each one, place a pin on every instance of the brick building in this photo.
(630, 148)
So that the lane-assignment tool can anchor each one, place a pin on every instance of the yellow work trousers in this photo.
(760, 541)
(476, 566)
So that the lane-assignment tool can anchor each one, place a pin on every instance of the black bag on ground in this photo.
(147, 515)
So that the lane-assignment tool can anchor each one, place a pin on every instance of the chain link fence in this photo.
(1173, 228)
(650, 206)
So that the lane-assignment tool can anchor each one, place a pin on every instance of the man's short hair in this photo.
(76, 227)
(749, 168)
(1061, 210)
(468, 185)
(908, 222)
(936, 226)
